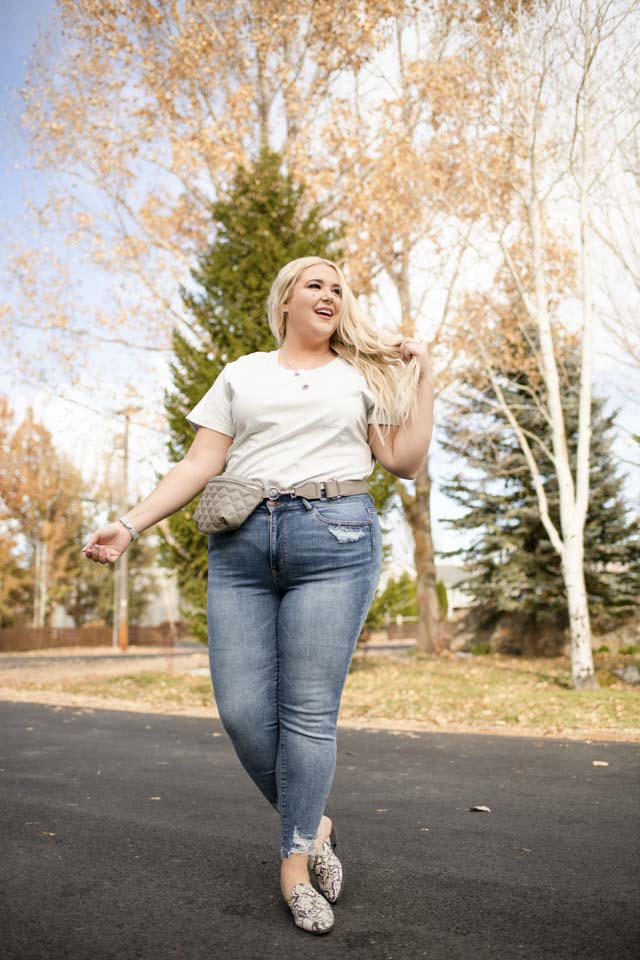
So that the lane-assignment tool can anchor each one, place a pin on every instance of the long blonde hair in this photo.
(357, 340)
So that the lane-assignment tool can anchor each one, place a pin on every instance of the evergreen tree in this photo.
(259, 226)
(513, 566)
(398, 598)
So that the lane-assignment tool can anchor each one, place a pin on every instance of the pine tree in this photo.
(259, 226)
(398, 598)
(513, 566)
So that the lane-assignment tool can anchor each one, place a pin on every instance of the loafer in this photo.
(310, 910)
(328, 869)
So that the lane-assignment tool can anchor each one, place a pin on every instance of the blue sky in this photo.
(81, 423)
(19, 22)
(86, 434)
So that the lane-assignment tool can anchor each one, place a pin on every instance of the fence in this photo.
(41, 638)
(401, 628)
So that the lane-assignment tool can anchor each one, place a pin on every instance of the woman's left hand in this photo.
(415, 348)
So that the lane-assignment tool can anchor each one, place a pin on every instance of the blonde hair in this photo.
(356, 339)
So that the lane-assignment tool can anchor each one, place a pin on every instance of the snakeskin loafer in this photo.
(310, 909)
(328, 869)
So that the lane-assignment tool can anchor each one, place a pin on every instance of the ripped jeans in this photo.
(288, 594)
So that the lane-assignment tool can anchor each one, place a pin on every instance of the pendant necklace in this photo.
(298, 373)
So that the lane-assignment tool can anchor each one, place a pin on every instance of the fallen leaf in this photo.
(481, 808)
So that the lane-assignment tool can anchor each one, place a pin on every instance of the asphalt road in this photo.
(129, 835)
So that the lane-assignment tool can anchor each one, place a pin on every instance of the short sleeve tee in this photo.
(285, 434)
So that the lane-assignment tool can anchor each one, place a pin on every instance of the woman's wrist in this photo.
(127, 524)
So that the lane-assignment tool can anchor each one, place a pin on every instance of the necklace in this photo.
(298, 373)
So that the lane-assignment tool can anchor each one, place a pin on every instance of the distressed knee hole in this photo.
(346, 534)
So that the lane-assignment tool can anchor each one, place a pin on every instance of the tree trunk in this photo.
(430, 627)
(582, 670)
(39, 584)
(573, 495)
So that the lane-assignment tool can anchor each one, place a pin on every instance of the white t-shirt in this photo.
(284, 434)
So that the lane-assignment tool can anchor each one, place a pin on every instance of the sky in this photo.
(19, 22)
(82, 419)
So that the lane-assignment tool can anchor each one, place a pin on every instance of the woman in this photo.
(289, 590)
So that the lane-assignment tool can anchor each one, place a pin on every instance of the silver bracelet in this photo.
(132, 530)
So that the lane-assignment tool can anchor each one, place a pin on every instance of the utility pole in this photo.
(121, 578)
(116, 605)
(123, 619)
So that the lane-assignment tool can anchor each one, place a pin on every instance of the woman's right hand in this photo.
(108, 543)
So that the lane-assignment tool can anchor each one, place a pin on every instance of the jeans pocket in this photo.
(347, 514)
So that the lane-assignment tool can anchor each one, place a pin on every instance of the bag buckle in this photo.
(275, 492)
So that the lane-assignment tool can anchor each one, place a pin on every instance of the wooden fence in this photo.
(41, 638)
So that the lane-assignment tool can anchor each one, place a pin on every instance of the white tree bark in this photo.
(573, 559)
(530, 86)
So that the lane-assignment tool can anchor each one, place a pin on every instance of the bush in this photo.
(478, 649)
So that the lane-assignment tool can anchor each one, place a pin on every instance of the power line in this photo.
(103, 413)
(92, 336)
(106, 413)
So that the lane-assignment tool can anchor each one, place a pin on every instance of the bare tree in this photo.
(554, 70)
(617, 194)
(390, 171)
(140, 115)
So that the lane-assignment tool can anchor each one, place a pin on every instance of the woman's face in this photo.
(314, 304)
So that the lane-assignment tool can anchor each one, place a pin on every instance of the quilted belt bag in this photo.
(226, 501)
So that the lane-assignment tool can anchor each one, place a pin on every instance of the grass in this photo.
(156, 687)
(485, 693)
(490, 691)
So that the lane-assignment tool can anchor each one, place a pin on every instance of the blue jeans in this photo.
(288, 594)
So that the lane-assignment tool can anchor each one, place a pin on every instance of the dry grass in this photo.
(494, 693)
(485, 694)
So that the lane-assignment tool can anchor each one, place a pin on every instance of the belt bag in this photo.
(226, 501)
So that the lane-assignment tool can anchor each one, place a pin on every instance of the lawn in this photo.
(493, 692)
(490, 693)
